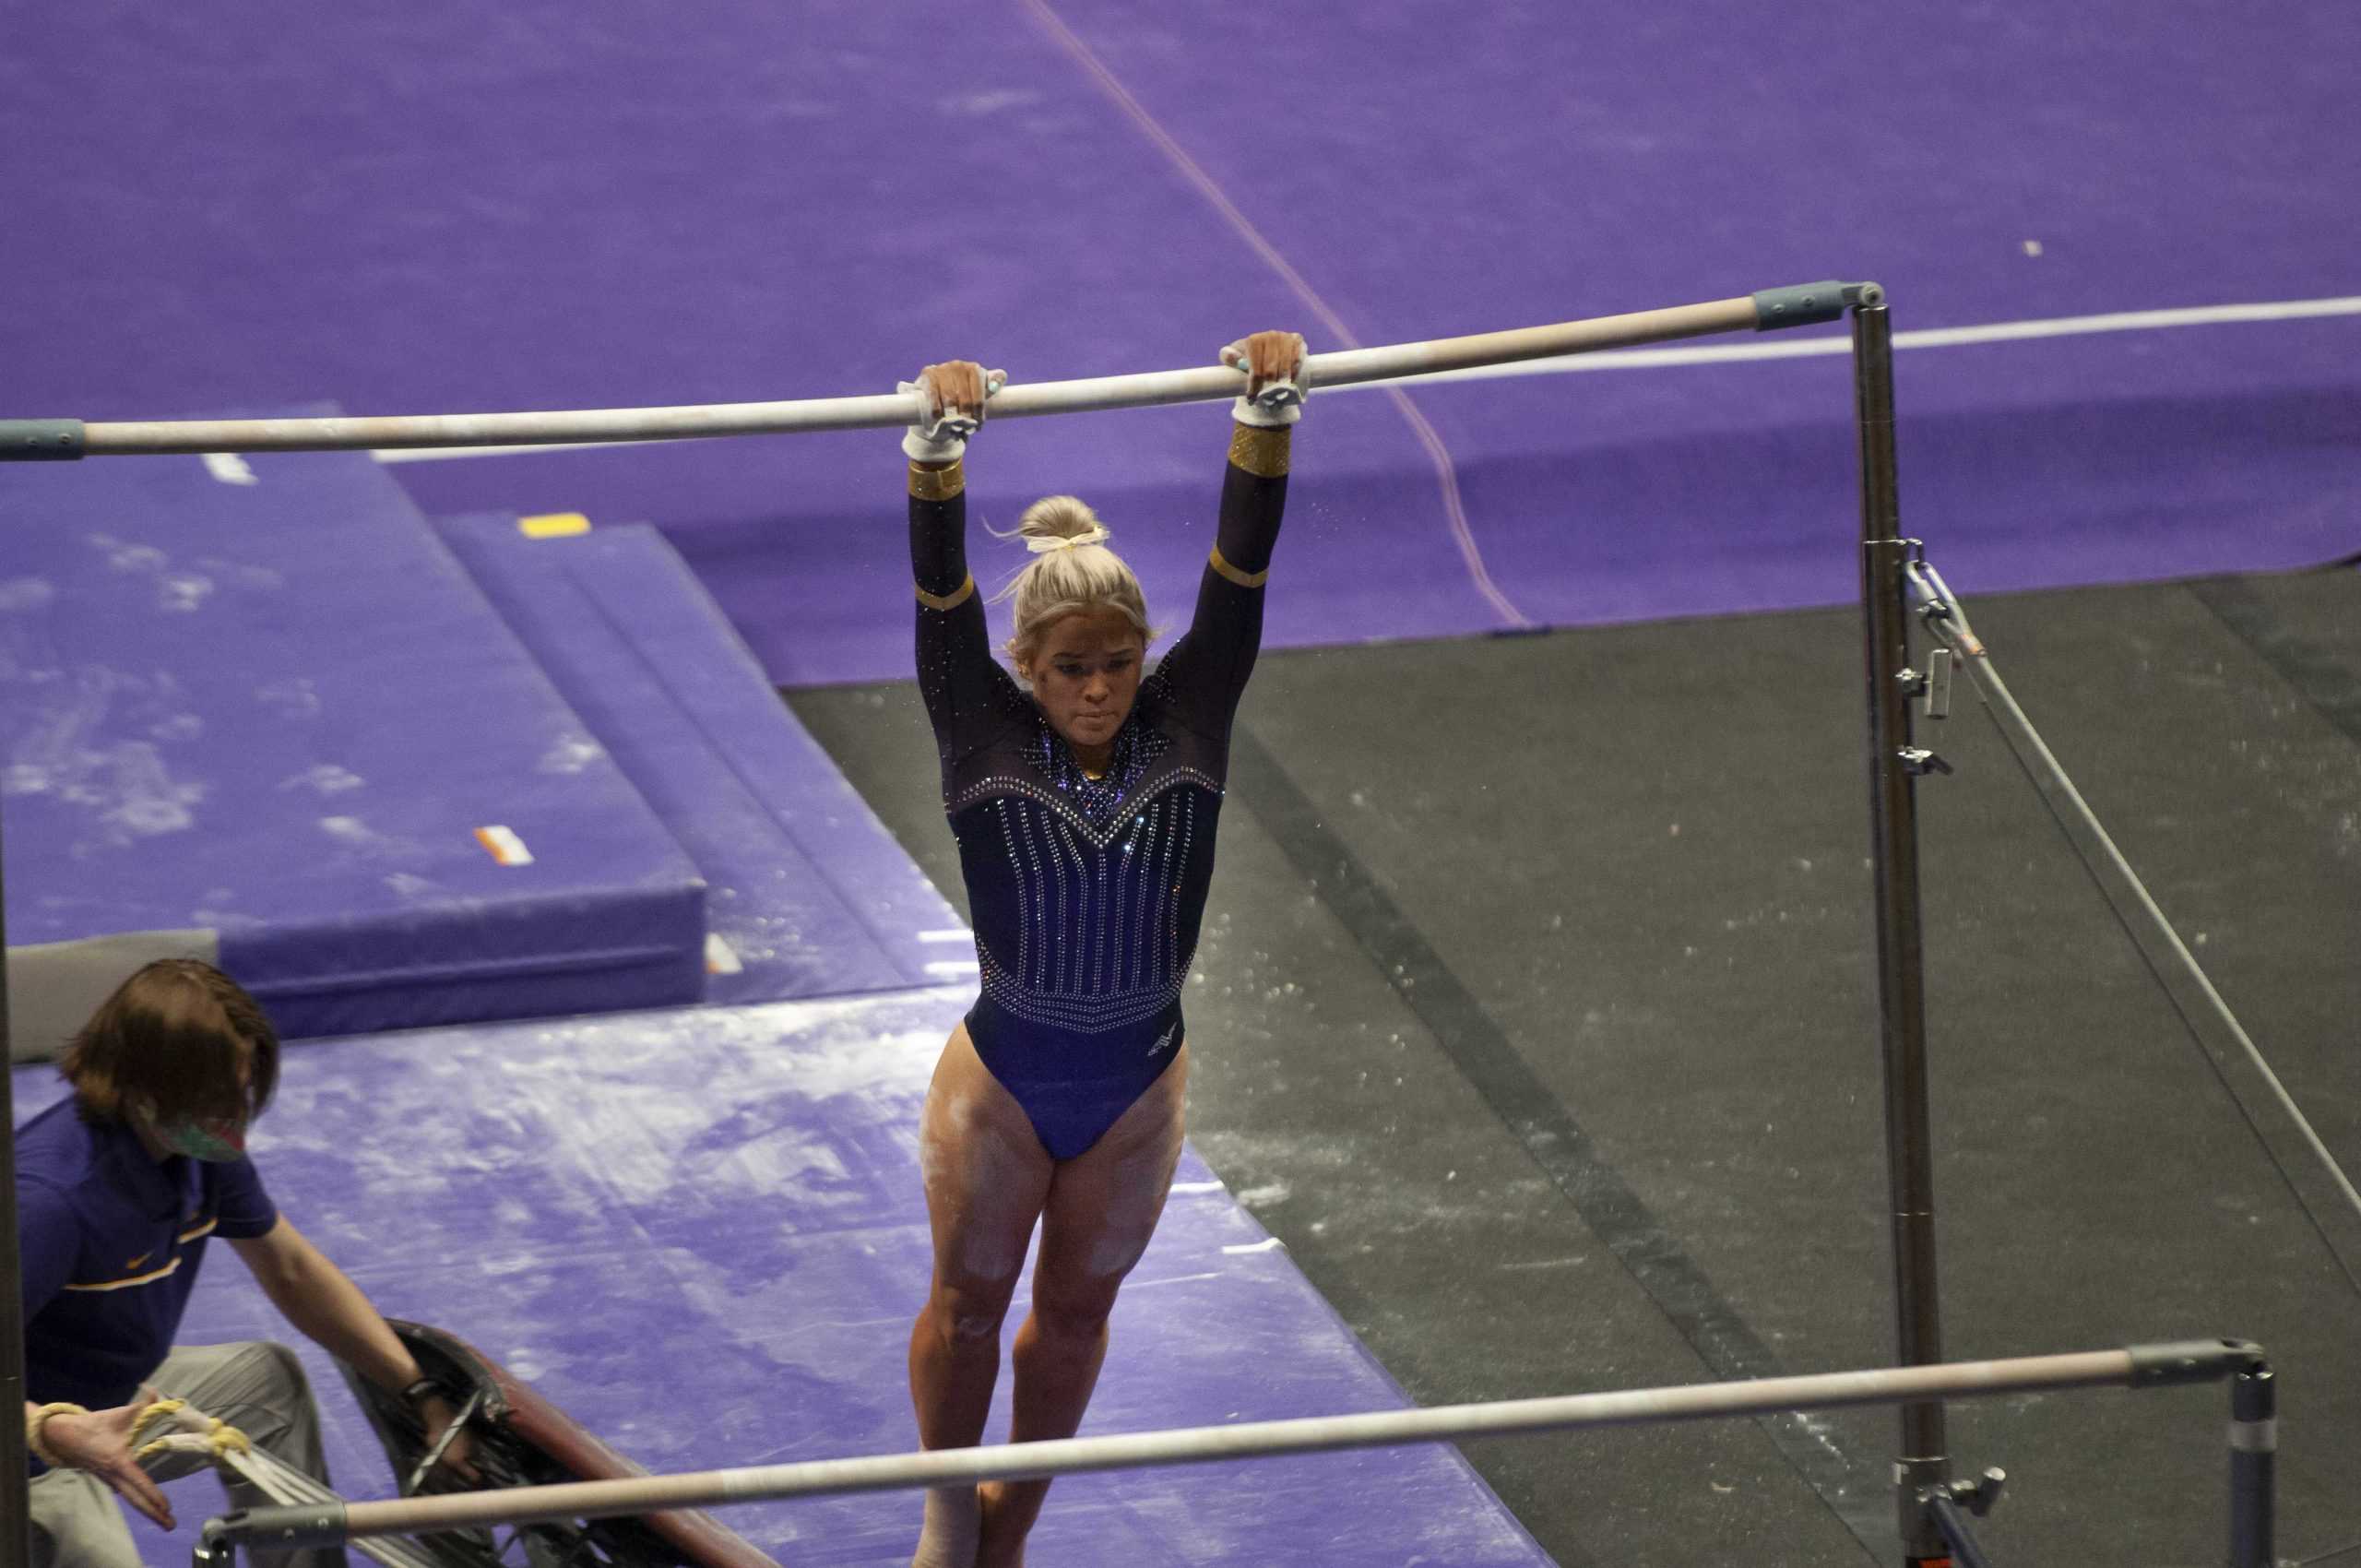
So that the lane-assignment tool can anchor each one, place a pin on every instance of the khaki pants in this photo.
(257, 1388)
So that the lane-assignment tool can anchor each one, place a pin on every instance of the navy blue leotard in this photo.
(1087, 893)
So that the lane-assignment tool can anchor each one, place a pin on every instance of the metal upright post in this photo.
(16, 1535)
(1894, 765)
(2254, 1449)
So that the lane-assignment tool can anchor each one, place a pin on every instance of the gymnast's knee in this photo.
(971, 1310)
(1073, 1312)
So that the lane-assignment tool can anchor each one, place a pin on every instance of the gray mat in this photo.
(1635, 858)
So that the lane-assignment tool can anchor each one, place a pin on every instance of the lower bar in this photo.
(2140, 1366)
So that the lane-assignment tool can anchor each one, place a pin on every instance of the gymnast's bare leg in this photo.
(1103, 1206)
(987, 1179)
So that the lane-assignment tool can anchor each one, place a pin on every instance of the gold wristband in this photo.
(937, 484)
(949, 600)
(1243, 579)
(40, 1419)
(1260, 451)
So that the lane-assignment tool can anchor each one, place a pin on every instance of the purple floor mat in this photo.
(599, 206)
(701, 1233)
(271, 710)
(807, 893)
(593, 205)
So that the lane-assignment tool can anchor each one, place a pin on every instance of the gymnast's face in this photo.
(1085, 674)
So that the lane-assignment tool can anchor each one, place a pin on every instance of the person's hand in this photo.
(99, 1443)
(950, 398)
(436, 1414)
(955, 391)
(1276, 385)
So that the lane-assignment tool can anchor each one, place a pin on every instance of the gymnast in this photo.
(1085, 816)
(119, 1188)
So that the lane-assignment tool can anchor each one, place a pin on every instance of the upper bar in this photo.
(589, 1500)
(66, 438)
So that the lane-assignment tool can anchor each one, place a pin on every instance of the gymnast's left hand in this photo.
(1274, 365)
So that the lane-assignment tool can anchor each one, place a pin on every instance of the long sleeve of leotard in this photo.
(1207, 669)
(963, 687)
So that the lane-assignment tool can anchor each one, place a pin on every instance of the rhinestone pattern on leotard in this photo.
(1087, 894)
(1090, 878)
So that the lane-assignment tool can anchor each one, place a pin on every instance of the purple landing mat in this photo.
(591, 206)
(806, 893)
(701, 1233)
(1603, 495)
(265, 703)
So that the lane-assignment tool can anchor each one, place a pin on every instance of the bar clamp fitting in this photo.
(2193, 1360)
(40, 441)
(1932, 685)
(1978, 1495)
(278, 1528)
(1801, 304)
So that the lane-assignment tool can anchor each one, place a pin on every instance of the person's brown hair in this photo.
(169, 1041)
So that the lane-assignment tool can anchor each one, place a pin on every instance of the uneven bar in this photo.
(2137, 1367)
(1767, 310)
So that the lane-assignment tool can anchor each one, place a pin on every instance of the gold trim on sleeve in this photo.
(949, 600)
(937, 484)
(1243, 579)
(1261, 452)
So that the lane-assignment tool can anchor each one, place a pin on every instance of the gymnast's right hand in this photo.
(950, 397)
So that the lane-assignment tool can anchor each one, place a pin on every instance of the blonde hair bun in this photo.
(1061, 521)
(1072, 573)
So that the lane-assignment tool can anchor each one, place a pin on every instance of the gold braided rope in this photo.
(1243, 579)
(949, 600)
(40, 1419)
(937, 484)
(147, 1421)
(221, 1437)
(1261, 451)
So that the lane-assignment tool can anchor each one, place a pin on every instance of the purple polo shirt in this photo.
(111, 1240)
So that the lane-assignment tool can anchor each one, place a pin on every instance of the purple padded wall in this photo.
(808, 895)
(260, 700)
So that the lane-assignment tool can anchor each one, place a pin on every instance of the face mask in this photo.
(213, 1138)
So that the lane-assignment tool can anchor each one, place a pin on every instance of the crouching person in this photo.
(119, 1191)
